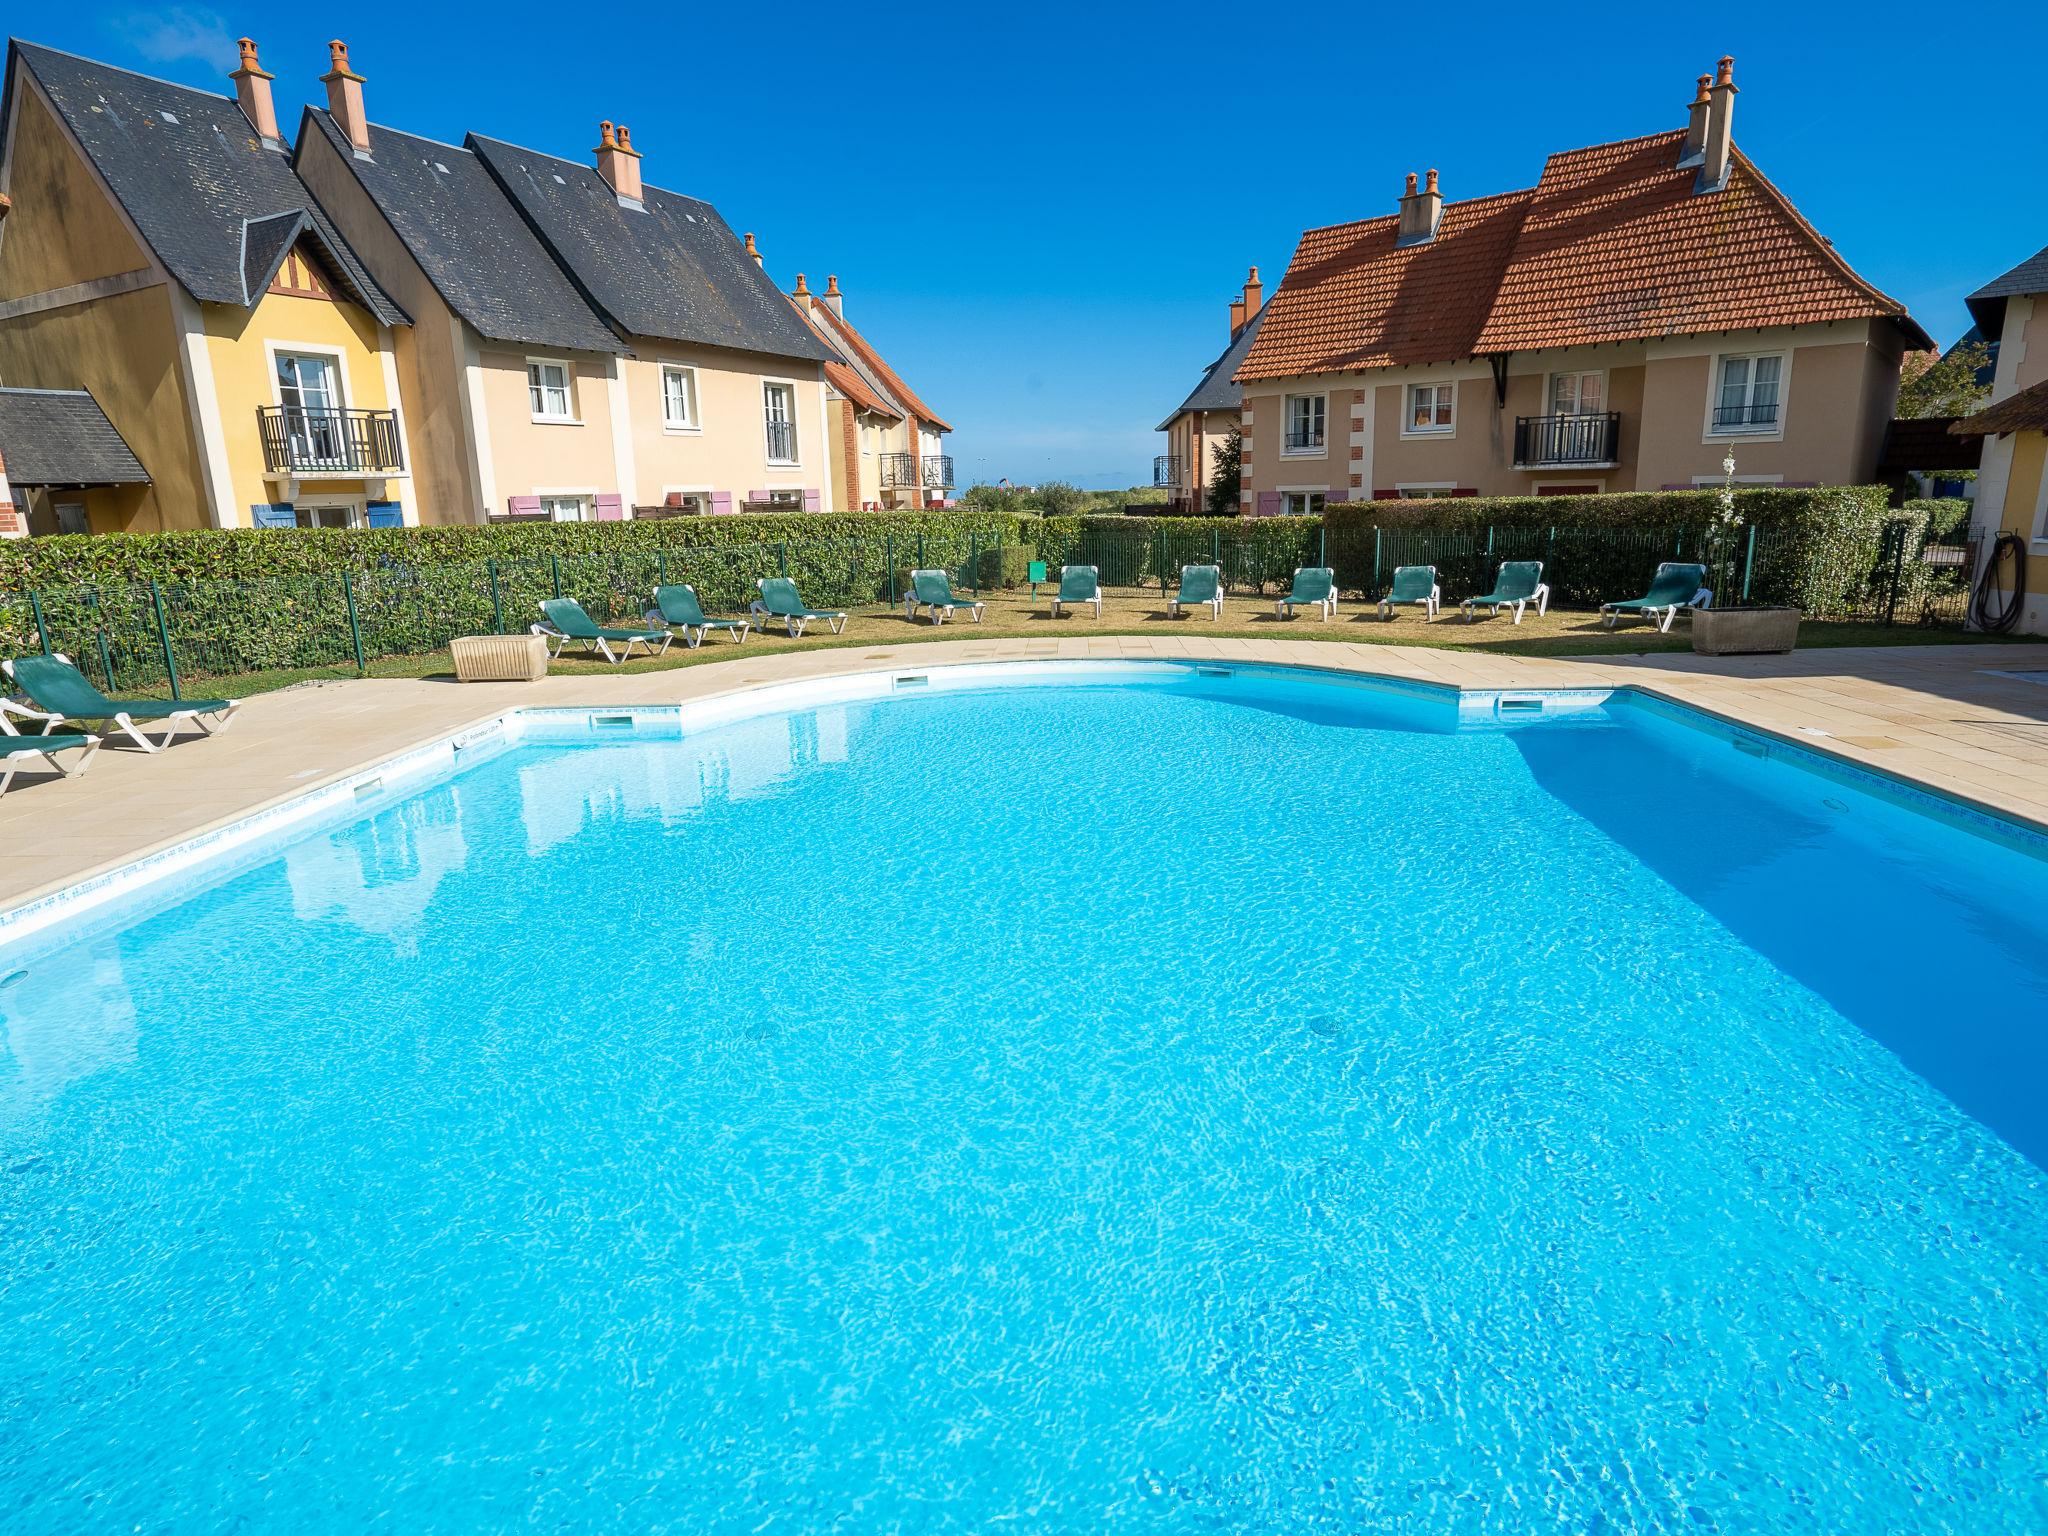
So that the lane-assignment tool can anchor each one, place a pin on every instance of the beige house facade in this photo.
(1201, 426)
(1649, 310)
(2012, 477)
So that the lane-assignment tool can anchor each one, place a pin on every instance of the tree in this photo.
(1056, 498)
(1227, 483)
(1933, 384)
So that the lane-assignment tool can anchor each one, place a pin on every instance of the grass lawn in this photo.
(1015, 614)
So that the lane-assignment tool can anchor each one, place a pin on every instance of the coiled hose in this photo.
(1993, 610)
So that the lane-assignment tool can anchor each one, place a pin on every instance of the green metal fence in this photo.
(156, 636)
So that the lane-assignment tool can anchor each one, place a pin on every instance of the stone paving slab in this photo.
(1931, 714)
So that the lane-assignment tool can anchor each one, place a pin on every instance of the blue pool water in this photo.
(1195, 1104)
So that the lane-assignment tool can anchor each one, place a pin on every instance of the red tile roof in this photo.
(1612, 244)
(847, 338)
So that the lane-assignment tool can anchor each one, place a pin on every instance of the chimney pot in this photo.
(752, 250)
(1420, 213)
(834, 297)
(618, 162)
(1254, 294)
(803, 289)
(1718, 147)
(1236, 315)
(345, 97)
(252, 90)
(1695, 149)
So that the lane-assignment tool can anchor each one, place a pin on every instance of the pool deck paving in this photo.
(1939, 716)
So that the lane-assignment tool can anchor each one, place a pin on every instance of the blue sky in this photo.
(1040, 214)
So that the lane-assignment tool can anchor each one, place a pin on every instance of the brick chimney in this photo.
(345, 97)
(752, 250)
(1695, 149)
(833, 297)
(1236, 314)
(618, 162)
(1420, 212)
(1254, 295)
(252, 90)
(1720, 140)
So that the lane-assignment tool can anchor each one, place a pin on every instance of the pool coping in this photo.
(38, 909)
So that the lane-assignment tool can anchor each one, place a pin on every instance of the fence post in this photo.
(355, 627)
(35, 606)
(1748, 561)
(920, 549)
(889, 559)
(163, 634)
(99, 634)
(1162, 561)
(661, 567)
(974, 560)
(1489, 543)
(1323, 546)
(497, 601)
(555, 564)
(1375, 558)
(1891, 606)
(781, 558)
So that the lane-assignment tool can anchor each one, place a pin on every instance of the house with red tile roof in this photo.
(1646, 309)
(888, 447)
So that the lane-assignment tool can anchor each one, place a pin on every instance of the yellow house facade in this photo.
(2012, 477)
(159, 253)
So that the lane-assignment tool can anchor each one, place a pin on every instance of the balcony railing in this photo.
(902, 472)
(1746, 418)
(302, 440)
(1304, 439)
(781, 442)
(1576, 441)
(1167, 470)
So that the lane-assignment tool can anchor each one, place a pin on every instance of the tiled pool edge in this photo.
(1477, 706)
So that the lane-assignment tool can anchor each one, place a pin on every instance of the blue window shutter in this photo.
(385, 514)
(275, 514)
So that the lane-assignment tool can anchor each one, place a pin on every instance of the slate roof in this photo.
(1218, 389)
(863, 356)
(469, 239)
(2026, 411)
(1612, 244)
(1987, 304)
(62, 437)
(671, 271)
(194, 178)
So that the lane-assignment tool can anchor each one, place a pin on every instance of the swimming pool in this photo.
(1154, 1098)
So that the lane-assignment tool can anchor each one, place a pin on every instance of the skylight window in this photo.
(169, 117)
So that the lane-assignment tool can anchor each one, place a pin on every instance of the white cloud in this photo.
(179, 34)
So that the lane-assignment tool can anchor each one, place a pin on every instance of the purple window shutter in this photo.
(1269, 504)
(813, 500)
(611, 509)
(757, 495)
(522, 506)
(1336, 496)
(721, 503)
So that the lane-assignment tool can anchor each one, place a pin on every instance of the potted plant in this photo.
(1741, 631)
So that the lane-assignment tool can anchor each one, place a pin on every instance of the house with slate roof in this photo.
(889, 452)
(586, 343)
(160, 258)
(1646, 309)
(2012, 477)
(1198, 430)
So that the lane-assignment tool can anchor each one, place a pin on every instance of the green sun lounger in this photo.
(1676, 585)
(1200, 586)
(60, 692)
(932, 591)
(1413, 584)
(677, 608)
(564, 620)
(779, 600)
(1078, 584)
(1518, 584)
(16, 749)
(1315, 586)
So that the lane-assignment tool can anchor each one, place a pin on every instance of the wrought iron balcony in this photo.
(1745, 418)
(301, 440)
(1303, 439)
(781, 442)
(1580, 442)
(1168, 469)
(906, 471)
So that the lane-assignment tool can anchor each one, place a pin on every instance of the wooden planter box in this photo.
(1744, 631)
(499, 658)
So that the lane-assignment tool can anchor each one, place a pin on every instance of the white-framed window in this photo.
(1303, 503)
(679, 398)
(566, 509)
(778, 403)
(1432, 408)
(1578, 394)
(1307, 421)
(547, 388)
(1748, 394)
(1426, 492)
(326, 517)
(310, 403)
